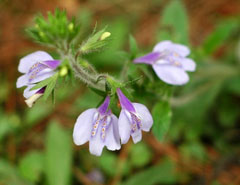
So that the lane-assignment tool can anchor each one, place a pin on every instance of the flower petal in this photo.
(96, 144)
(124, 126)
(171, 74)
(83, 127)
(53, 64)
(112, 136)
(124, 101)
(22, 81)
(28, 61)
(104, 106)
(161, 46)
(150, 58)
(188, 64)
(44, 74)
(146, 117)
(137, 136)
(180, 49)
(28, 93)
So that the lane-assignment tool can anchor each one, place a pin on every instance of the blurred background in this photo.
(202, 141)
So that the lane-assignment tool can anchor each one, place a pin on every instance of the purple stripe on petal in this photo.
(103, 108)
(41, 91)
(53, 64)
(148, 59)
(125, 103)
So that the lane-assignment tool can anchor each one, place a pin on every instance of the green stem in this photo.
(89, 78)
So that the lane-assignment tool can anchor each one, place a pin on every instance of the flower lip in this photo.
(125, 103)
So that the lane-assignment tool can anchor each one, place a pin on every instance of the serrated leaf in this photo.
(50, 86)
(58, 155)
(162, 118)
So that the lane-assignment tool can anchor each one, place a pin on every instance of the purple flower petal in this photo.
(83, 126)
(112, 135)
(28, 93)
(41, 91)
(148, 59)
(22, 81)
(103, 108)
(137, 136)
(96, 145)
(188, 64)
(171, 74)
(53, 64)
(125, 103)
(28, 61)
(124, 126)
(145, 115)
(180, 49)
(162, 46)
(46, 73)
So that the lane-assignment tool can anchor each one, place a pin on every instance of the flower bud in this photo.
(63, 71)
(105, 35)
(70, 26)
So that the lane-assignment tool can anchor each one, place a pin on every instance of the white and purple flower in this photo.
(134, 117)
(99, 127)
(36, 67)
(169, 62)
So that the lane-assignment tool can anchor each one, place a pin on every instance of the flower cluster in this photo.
(99, 125)
(102, 128)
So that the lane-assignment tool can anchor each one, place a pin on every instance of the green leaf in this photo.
(55, 30)
(43, 83)
(133, 46)
(119, 35)
(108, 161)
(174, 23)
(10, 176)
(50, 86)
(193, 150)
(58, 155)
(161, 173)
(220, 35)
(31, 166)
(37, 113)
(94, 43)
(140, 155)
(162, 118)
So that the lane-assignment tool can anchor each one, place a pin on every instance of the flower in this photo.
(99, 127)
(134, 117)
(35, 67)
(169, 62)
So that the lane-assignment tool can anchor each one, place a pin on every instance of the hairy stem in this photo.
(89, 78)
